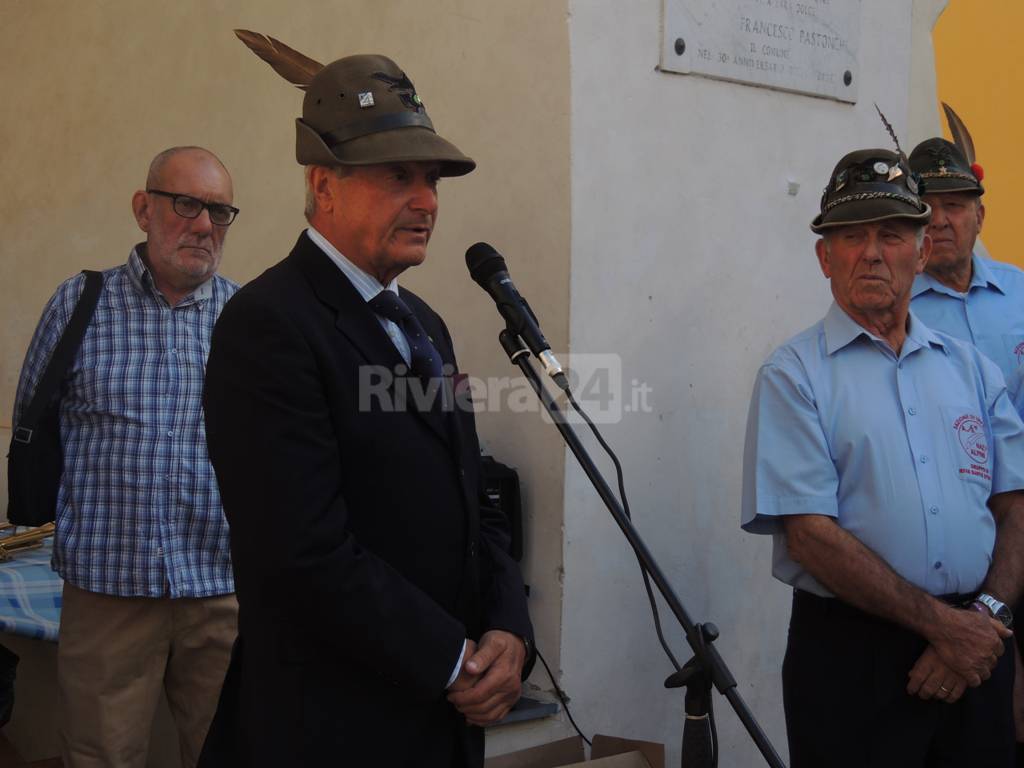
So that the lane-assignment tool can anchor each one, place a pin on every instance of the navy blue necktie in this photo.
(426, 362)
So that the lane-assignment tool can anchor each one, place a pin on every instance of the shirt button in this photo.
(938, 564)
(170, 433)
(924, 459)
(934, 510)
(912, 411)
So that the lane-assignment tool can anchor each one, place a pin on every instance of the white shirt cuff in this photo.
(458, 666)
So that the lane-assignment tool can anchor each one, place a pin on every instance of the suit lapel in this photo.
(358, 323)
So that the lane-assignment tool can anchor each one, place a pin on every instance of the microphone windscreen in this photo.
(483, 262)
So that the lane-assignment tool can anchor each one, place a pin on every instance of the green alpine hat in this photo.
(870, 185)
(361, 110)
(944, 168)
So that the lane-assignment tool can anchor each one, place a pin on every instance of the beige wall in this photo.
(92, 90)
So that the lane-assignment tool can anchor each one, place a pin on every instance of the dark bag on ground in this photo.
(35, 462)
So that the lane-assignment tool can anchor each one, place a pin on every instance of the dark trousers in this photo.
(844, 683)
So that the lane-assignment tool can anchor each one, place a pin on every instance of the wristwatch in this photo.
(528, 645)
(997, 609)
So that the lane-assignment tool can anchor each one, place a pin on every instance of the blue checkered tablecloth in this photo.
(30, 594)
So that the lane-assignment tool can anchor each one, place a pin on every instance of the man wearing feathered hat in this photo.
(887, 462)
(382, 621)
(960, 292)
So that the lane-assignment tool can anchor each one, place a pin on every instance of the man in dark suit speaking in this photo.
(381, 621)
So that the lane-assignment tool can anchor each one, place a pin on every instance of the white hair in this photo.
(341, 171)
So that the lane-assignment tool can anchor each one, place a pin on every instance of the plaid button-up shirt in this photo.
(139, 511)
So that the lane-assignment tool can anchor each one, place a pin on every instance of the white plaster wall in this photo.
(924, 119)
(691, 261)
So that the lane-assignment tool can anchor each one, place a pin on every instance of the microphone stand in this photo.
(707, 666)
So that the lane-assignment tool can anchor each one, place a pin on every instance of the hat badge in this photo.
(942, 157)
(366, 99)
(403, 86)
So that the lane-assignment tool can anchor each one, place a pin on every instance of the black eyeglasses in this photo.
(189, 207)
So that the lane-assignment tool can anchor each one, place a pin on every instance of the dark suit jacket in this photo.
(361, 560)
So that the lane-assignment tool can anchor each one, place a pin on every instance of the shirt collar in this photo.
(142, 279)
(138, 273)
(841, 330)
(367, 285)
(982, 276)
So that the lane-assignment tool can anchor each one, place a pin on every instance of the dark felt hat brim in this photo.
(936, 185)
(868, 211)
(400, 145)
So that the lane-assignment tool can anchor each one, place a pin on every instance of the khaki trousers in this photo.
(114, 656)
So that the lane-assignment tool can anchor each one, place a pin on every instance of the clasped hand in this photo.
(962, 653)
(489, 682)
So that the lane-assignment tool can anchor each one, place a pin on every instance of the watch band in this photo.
(998, 609)
(993, 605)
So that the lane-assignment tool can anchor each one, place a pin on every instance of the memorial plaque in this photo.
(805, 46)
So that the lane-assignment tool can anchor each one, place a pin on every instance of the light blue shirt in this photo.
(990, 315)
(368, 286)
(1014, 385)
(903, 451)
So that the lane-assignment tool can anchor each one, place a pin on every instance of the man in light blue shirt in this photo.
(887, 462)
(961, 293)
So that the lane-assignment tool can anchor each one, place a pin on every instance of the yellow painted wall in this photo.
(977, 62)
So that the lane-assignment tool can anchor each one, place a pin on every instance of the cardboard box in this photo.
(607, 752)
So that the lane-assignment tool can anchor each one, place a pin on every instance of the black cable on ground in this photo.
(561, 696)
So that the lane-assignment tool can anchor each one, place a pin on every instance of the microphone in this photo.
(488, 269)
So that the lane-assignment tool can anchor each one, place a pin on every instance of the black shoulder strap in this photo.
(65, 350)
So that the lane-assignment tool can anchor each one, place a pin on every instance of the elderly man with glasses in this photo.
(141, 541)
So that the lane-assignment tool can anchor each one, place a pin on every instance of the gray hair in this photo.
(156, 166)
(340, 171)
